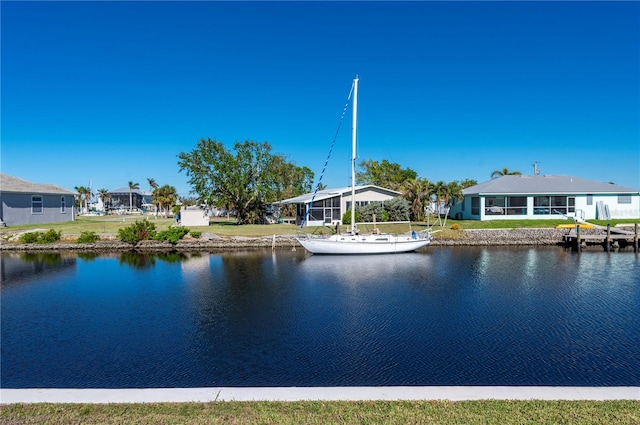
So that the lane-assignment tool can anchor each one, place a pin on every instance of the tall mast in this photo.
(353, 155)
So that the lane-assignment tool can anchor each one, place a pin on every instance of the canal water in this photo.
(444, 316)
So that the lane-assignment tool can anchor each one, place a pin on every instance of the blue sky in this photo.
(102, 93)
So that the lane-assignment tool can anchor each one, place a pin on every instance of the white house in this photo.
(194, 216)
(329, 205)
(546, 196)
(119, 198)
(24, 202)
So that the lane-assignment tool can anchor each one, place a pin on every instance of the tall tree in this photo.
(164, 197)
(104, 195)
(468, 183)
(84, 197)
(132, 187)
(385, 174)
(417, 192)
(152, 184)
(292, 181)
(504, 172)
(244, 179)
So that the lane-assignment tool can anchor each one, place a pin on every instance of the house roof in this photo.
(544, 184)
(125, 190)
(13, 184)
(330, 193)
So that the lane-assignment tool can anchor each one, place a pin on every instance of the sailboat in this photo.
(352, 241)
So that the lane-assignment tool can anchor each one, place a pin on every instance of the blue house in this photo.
(24, 202)
(546, 196)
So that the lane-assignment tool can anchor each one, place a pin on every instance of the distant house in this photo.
(546, 196)
(24, 202)
(194, 216)
(330, 205)
(119, 198)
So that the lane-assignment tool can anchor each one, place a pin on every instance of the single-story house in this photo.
(546, 196)
(329, 205)
(119, 198)
(24, 202)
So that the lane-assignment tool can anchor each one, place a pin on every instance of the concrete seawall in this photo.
(498, 237)
(483, 237)
(209, 241)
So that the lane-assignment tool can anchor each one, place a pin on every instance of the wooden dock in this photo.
(613, 238)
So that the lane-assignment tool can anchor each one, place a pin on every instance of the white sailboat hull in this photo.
(364, 244)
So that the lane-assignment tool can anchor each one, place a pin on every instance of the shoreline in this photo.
(208, 241)
(296, 394)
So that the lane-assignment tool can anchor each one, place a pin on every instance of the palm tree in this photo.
(132, 186)
(416, 192)
(165, 196)
(504, 172)
(152, 184)
(103, 194)
(84, 195)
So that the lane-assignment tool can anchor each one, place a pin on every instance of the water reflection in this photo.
(368, 269)
(141, 260)
(447, 316)
(15, 267)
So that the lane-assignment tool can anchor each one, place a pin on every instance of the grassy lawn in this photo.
(228, 227)
(320, 412)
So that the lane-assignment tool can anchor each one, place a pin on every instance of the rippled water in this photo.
(445, 316)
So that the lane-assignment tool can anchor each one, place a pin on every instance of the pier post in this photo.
(635, 237)
(607, 241)
(578, 246)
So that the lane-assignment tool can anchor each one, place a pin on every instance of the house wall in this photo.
(365, 196)
(16, 208)
(616, 209)
(585, 208)
(194, 217)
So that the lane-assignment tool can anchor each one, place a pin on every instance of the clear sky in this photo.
(102, 93)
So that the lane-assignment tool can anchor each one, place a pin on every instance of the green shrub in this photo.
(172, 234)
(88, 237)
(346, 217)
(398, 209)
(196, 234)
(374, 208)
(30, 237)
(138, 231)
(50, 236)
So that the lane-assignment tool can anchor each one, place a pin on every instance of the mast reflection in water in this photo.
(446, 316)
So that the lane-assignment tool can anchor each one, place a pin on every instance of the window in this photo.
(63, 205)
(589, 199)
(36, 204)
(494, 205)
(505, 205)
(571, 202)
(624, 199)
(541, 205)
(553, 204)
(517, 205)
(325, 210)
(475, 205)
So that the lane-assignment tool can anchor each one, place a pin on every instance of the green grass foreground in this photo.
(320, 412)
